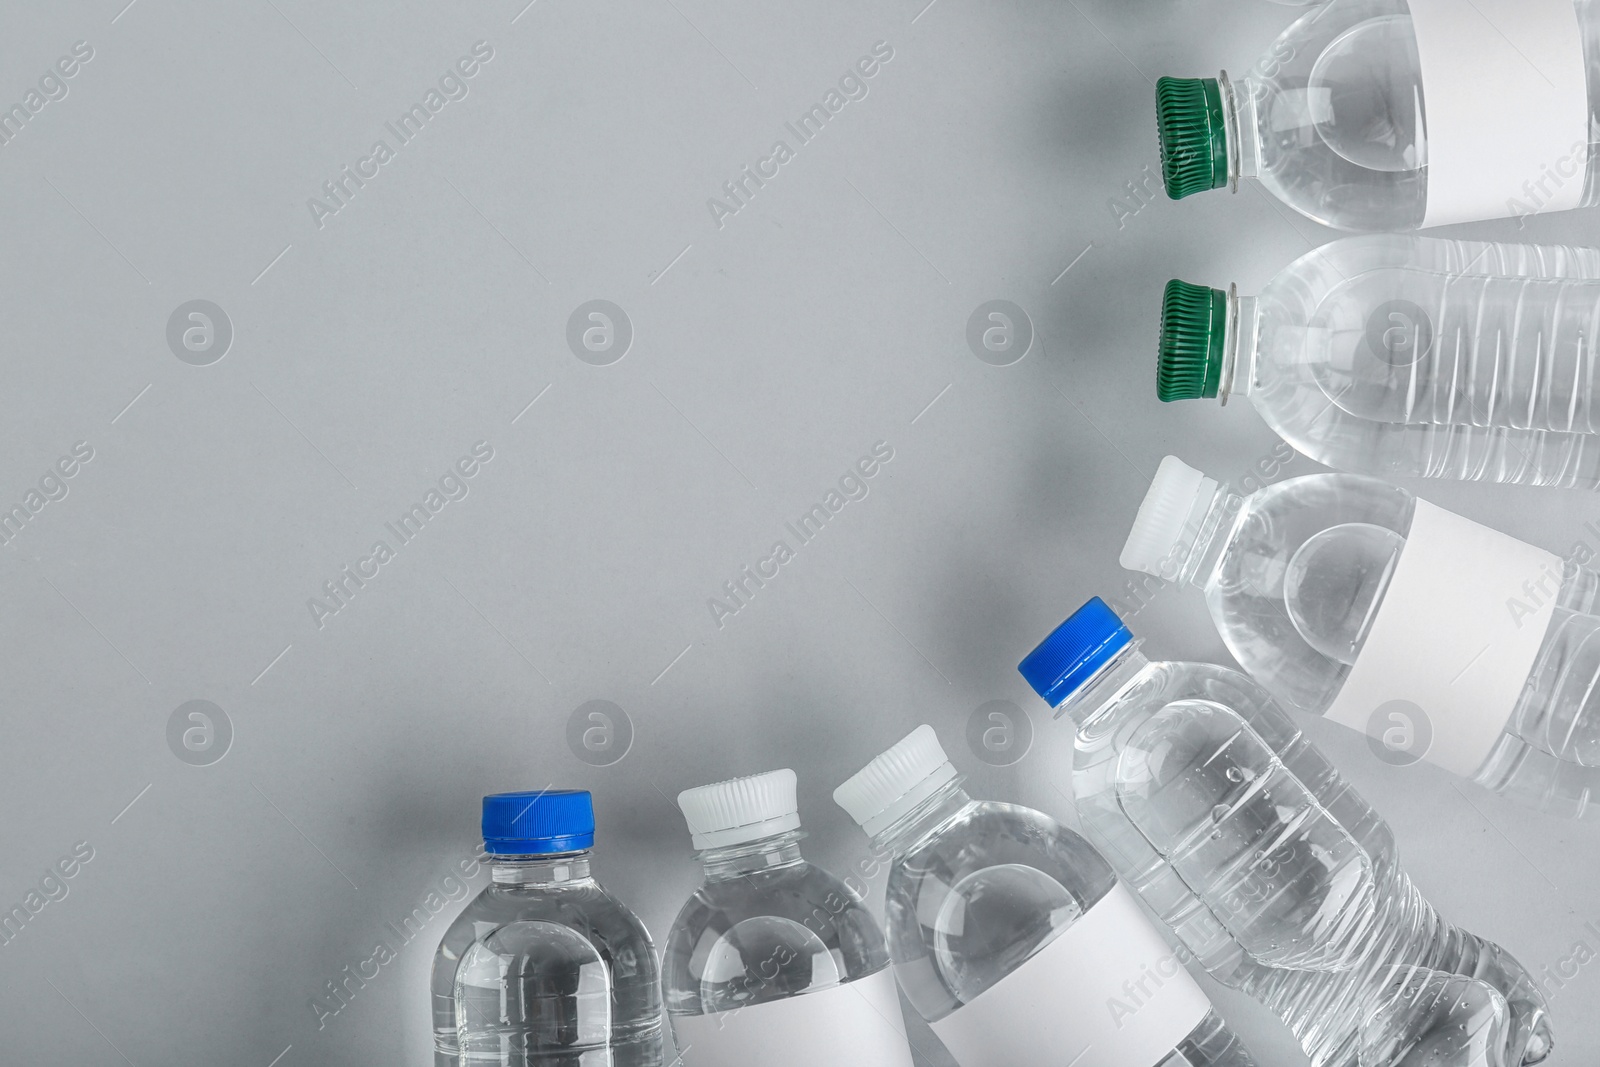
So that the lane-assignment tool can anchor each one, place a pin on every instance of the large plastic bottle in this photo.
(774, 961)
(1413, 356)
(1014, 938)
(1443, 640)
(1383, 115)
(544, 968)
(1201, 792)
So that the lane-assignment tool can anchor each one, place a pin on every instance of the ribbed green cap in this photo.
(1194, 141)
(1193, 328)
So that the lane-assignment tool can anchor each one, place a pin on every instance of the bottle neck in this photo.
(1239, 127)
(1240, 334)
(556, 869)
(749, 857)
(1205, 535)
(1242, 130)
(942, 805)
(1104, 685)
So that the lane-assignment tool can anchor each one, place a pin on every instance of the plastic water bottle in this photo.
(1414, 356)
(774, 961)
(1443, 640)
(1014, 938)
(1381, 115)
(544, 968)
(1283, 882)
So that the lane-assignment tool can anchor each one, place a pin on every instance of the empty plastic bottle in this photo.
(774, 961)
(1014, 938)
(1408, 356)
(544, 968)
(1201, 792)
(1443, 640)
(1382, 115)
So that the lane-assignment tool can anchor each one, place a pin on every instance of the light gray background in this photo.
(769, 354)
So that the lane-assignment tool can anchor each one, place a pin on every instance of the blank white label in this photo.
(857, 1024)
(1506, 102)
(1453, 641)
(1108, 992)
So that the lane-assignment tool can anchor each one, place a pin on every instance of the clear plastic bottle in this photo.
(1349, 597)
(1283, 882)
(1013, 938)
(544, 968)
(1408, 356)
(772, 960)
(1388, 115)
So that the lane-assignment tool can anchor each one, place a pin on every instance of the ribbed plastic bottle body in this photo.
(1294, 575)
(1273, 871)
(540, 973)
(1334, 116)
(766, 926)
(980, 888)
(1412, 356)
(1549, 756)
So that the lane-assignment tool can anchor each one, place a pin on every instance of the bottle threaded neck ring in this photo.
(1194, 140)
(1194, 326)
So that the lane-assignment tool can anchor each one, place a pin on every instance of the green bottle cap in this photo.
(1194, 323)
(1194, 139)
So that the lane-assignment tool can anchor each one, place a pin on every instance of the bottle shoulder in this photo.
(1316, 102)
(765, 936)
(802, 893)
(1289, 573)
(1278, 518)
(1100, 741)
(989, 834)
(1163, 683)
(617, 935)
(967, 905)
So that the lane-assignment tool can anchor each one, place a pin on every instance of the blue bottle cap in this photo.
(1077, 648)
(538, 823)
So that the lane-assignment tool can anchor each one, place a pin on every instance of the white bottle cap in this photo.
(883, 791)
(741, 810)
(1165, 516)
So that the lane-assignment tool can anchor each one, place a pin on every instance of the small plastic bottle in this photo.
(1013, 938)
(1441, 639)
(544, 968)
(1384, 115)
(774, 961)
(1408, 356)
(1279, 878)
